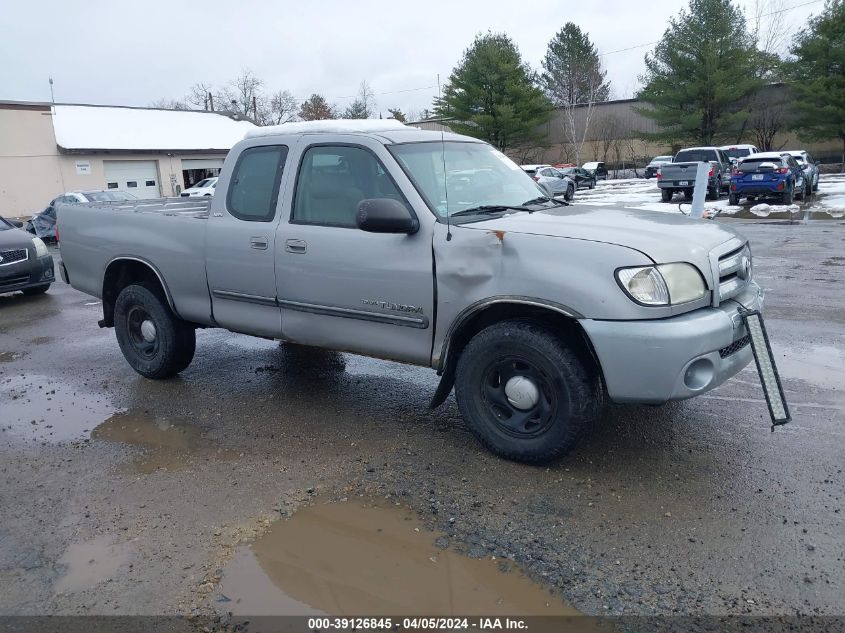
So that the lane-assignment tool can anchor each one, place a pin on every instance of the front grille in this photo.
(13, 281)
(734, 347)
(12, 256)
(733, 274)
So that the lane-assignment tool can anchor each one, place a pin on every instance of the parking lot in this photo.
(127, 496)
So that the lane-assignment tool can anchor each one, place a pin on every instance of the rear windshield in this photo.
(737, 152)
(661, 159)
(695, 155)
(753, 164)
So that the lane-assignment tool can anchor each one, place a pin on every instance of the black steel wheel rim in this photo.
(517, 422)
(134, 319)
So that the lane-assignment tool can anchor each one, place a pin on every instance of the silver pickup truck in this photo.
(431, 249)
(679, 175)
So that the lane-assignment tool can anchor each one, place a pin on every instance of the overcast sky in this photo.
(103, 51)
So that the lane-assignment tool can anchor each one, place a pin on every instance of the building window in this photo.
(151, 183)
(112, 185)
(132, 183)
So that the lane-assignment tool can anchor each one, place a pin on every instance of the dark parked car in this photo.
(582, 177)
(597, 169)
(25, 262)
(656, 163)
(768, 174)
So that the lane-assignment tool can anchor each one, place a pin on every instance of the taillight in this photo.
(536, 178)
(783, 170)
(659, 174)
(710, 175)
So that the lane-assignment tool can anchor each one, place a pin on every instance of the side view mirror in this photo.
(385, 215)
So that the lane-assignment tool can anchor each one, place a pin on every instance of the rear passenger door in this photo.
(240, 242)
(343, 288)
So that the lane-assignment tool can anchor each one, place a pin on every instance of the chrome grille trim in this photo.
(13, 256)
(727, 262)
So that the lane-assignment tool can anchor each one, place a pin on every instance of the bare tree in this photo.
(363, 107)
(199, 96)
(283, 107)
(169, 104)
(770, 28)
(767, 119)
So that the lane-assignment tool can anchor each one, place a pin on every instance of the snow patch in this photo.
(331, 126)
(108, 127)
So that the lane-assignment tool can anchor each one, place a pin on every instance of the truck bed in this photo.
(166, 233)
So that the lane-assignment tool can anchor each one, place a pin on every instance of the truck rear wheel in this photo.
(525, 394)
(666, 195)
(154, 341)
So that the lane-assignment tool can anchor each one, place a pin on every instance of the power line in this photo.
(764, 15)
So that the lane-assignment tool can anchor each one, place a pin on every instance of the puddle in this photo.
(90, 563)
(8, 357)
(364, 558)
(43, 409)
(818, 364)
(169, 445)
(42, 340)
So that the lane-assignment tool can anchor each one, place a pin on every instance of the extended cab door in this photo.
(343, 288)
(240, 241)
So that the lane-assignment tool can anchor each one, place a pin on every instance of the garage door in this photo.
(138, 177)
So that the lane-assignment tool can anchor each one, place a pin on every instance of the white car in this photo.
(552, 180)
(738, 152)
(810, 167)
(202, 188)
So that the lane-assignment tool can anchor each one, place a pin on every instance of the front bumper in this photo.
(34, 271)
(679, 357)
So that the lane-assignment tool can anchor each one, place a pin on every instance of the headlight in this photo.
(662, 285)
(40, 247)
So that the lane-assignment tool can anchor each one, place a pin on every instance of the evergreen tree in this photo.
(397, 114)
(818, 74)
(491, 94)
(364, 105)
(700, 73)
(572, 70)
(316, 108)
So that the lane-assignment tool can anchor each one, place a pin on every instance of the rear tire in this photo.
(35, 290)
(570, 193)
(666, 195)
(593, 183)
(733, 199)
(154, 341)
(525, 393)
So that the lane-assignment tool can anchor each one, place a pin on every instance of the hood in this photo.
(663, 237)
(15, 238)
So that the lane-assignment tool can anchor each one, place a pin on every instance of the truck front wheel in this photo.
(525, 394)
(154, 341)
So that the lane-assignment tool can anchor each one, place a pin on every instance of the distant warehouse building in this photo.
(48, 149)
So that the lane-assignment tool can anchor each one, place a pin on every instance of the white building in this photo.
(48, 149)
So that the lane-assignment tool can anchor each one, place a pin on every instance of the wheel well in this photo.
(126, 272)
(564, 325)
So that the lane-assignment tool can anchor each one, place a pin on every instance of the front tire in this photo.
(593, 183)
(36, 290)
(154, 341)
(525, 394)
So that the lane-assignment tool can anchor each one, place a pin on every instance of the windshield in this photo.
(108, 196)
(695, 155)
(475, 175)
(202, 183)
(736, 152)
(753, 164)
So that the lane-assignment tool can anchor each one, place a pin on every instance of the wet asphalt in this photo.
(121, 495)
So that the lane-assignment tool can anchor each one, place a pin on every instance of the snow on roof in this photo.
(330, 126)
(110, 127)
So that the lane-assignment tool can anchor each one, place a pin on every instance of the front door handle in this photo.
(296, 246)
(258, 242)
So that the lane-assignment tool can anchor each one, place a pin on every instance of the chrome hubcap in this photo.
(148, 331)
(522, 393)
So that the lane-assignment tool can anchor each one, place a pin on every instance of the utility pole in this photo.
(52, 96)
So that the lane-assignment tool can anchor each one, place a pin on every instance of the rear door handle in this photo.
(296, 246)
(259, 243)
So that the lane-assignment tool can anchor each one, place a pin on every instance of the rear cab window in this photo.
(254, 188)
